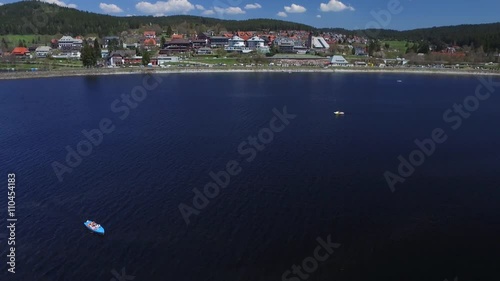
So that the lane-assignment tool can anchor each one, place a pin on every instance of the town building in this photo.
(21, 52)
(285, 45)
(162, 60)
(68, 44)
(218, 41)
(317, 43)
(149, 39)
(176, 46)
(338, 61)
(204, 51)
(43, 51)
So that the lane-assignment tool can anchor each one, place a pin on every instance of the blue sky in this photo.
(350, 14)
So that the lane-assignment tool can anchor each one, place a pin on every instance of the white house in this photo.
(72, 55)
(339, 61)
(319, 43)
(258, 44)
(255, 42)
(236, 42)
(167, 59)
(43, 51)
(68, 43)
(204, 51)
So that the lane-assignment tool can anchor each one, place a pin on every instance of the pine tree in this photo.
(5, 44)
(88, 58)
(169, 31)
(146, 58)
(97, 50)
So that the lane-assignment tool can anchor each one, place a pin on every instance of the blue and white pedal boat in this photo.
(96, 229)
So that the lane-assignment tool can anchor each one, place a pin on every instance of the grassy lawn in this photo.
(400, 46)
(352, 58)
(42, 64)
(13, 40)
(213, 60)
(396, 48)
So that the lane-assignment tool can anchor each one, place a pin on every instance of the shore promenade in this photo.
(124, 71)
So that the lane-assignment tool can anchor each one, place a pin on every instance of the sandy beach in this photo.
(124, 71)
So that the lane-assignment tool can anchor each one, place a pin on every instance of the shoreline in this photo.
(103, 72)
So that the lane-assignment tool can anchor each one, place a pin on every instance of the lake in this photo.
(139, 145)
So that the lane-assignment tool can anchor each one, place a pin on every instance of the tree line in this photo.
(485, 36)
(34, 17)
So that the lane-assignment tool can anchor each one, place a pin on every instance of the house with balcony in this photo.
(69, 44)
(255, 42)
(218, 41)
(258, 44)
(237, 44)
(176, 46)
(199, 43)
(285, 45)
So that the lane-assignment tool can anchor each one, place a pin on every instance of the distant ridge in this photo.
(473, 35)
(16, 18)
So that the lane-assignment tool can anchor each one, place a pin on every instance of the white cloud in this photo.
(1, 4)
(318, 16)
(110, 8)
(334, 6)
(208, 12)
(282, 14)
(253, 6)
(200, 7)
(229, 11)
(60, 3)
(169, 6)
(294, 8)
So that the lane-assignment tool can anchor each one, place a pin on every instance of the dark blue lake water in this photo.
(320, 176)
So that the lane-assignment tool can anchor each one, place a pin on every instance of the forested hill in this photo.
(474, 35)
(33, 17)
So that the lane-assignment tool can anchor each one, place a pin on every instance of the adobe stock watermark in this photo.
(248, 149)
(38, 20)
(94, 137)
(121, 277)
(382, 19)
(454, 117)
(310, 264)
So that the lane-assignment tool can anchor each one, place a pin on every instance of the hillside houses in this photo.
(164, 48)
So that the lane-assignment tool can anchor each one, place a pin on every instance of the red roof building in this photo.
(150, 42)
(20, 51)
(177, 36)
(150, 34)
